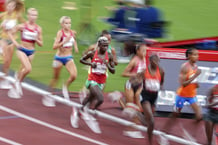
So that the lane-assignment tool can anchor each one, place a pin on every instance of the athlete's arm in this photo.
(111, 64)
(113, 51)
(58, 43)
(183, 76)
(130, 66)
(39, 40)
(162, 77)
(85, 57)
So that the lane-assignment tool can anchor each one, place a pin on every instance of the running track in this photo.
(27, 121)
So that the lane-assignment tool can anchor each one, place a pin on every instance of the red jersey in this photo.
(98, 74)
(140, 66)
(29, 35)
(152, 82)
(70, 43)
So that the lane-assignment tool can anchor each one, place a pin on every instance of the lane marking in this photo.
(98, 113)
(9, 141)
(8, 117)
(3, 108)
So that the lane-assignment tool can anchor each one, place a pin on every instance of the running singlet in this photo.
(152, 82)
(29, 35)
(215, 99)
(9, 21)
(98, 74)
(68, 44)
(190, 89)
(140, 66)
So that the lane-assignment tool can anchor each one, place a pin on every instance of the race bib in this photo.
(152, 85)
(100, 69)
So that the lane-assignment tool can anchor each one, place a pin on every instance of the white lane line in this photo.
(9, 141)
(3, 108)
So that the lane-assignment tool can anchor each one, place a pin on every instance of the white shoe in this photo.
(12, 93)
(47, 101)
(65, 92)
(163, 140)
(4, 84)
(18, 87)
(91, 122)
(74, 118)
(133, 134)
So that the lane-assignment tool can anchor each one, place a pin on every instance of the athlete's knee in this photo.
(28, 69)
(73, 77)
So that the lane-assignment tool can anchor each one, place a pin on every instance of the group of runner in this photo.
(146, 78)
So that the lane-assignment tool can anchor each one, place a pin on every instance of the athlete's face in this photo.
(66, 24)
(11, 6)
(103, 47)
(154, 60)
(141, 51)
(194, 55)
(32, 16)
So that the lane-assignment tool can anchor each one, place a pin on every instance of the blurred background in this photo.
(185, 20)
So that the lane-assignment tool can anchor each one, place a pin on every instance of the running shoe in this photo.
(133, 134)
(65, 92)
(90, 121)
(48, 101)
(4, 84)
(12, 93)
(74, 118)
(18, 87)
(163, 139)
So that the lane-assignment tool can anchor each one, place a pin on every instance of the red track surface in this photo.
(27, 132)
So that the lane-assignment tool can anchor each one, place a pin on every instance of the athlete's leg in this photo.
(209, 126)
(197, 111)
(8, 50)
(57, 65)
(97, 92)
(147, 109)
(26, 66)
(71, 68)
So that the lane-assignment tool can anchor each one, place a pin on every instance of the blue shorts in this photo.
(181, 100)
(28, 52)
(64, 59)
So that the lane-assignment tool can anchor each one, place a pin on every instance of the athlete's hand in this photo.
(93, 65)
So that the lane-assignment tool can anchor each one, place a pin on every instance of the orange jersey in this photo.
(152, 82)
(190, 89)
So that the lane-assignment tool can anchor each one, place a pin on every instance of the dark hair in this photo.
(189, 52)
(104, 32)
(152, 56)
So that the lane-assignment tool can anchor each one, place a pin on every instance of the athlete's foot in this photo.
(12, 93)
(74, 118)
(48, 101)
(65, 92)
(90, 121)
(133, 134)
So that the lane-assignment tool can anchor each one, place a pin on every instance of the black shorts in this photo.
(135, 86)
(211, 115)
(149, 96)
